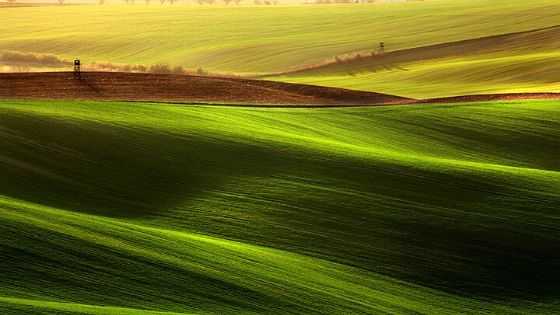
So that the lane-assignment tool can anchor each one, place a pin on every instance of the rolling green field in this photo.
(151, 208)
(129, 208)
(263, 40)
(526, 62)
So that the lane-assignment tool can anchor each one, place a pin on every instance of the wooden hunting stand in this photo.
(77, 70)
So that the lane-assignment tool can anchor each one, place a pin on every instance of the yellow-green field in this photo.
(518, 62)
(260, 40)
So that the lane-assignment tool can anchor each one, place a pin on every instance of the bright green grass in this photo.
(117, 208)
(258, 39)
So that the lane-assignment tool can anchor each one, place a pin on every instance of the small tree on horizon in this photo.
(178, 70)
(381, 49)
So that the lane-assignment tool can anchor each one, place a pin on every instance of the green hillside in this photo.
(251, 40)
(120, 208)
(258, 39)
(517, 62)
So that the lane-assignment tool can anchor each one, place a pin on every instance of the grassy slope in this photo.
(258, 39)
(525, 62)
(117, 208)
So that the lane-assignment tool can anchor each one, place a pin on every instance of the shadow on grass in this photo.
(466, 233)
(116, 171)
(462, 232)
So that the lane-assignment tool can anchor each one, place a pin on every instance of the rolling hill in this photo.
(516, 62)
(142, 193)
(146, 208)
(180, 88)
(436, 48)
(258, 40)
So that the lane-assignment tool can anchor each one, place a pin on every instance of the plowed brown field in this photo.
(180, 88)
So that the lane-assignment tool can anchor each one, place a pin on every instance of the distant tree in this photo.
(201, 71)
(147, 2)
(21, 68)
(227, 2)
(11, 1)
(236, 2)
(178, 70)
(381, 49)
(101, 2)
(139, 68)
(160, 68)
(61, 2)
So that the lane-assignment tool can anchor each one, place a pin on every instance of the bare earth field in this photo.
(203, 89)
(179, 88)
